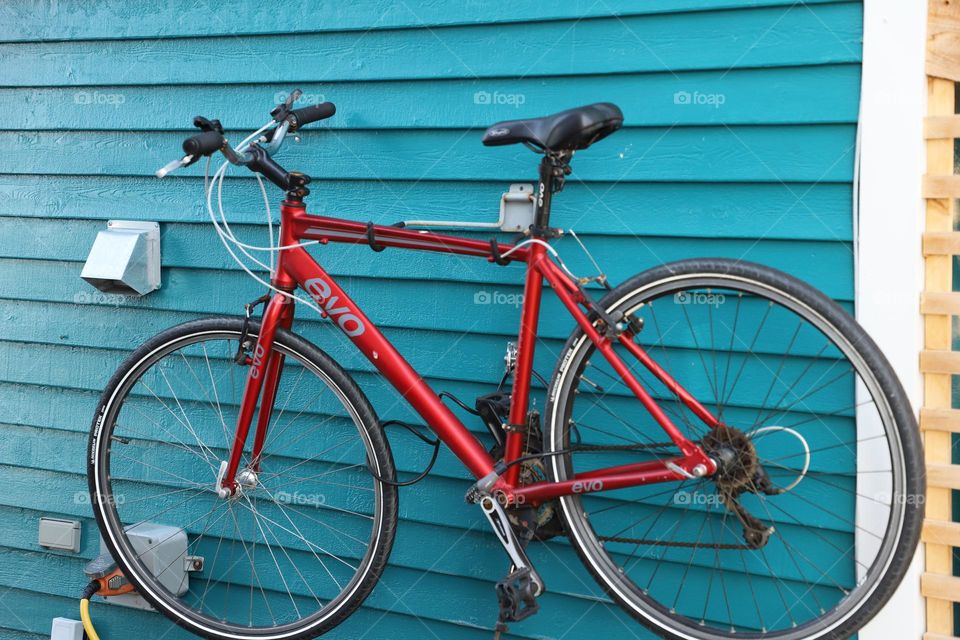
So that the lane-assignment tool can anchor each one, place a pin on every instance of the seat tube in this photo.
(529, 319)
(526, 344)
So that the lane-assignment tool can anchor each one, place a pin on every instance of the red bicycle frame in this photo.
(296, 267)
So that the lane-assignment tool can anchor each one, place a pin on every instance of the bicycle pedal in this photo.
(516, 597)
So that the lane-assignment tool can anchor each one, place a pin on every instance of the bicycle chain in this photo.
(619, 447)
(681, 544)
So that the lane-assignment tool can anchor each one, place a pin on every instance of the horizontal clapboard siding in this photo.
(96, 96)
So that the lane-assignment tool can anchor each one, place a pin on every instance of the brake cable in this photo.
(435, 442)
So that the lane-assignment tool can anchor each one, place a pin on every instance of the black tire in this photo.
(903, 532)
(369, 433)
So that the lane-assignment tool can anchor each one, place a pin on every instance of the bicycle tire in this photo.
(864, 603)
(359, 411)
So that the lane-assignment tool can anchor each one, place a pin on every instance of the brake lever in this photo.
(205, 124)
(281, 111)
(239, 156)
(173, 165)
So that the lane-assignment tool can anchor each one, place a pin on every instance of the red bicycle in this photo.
(724, 447)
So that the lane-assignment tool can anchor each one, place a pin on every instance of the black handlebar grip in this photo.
(302, 117)
(203, 144)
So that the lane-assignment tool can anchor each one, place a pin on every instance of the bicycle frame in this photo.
(296, 267)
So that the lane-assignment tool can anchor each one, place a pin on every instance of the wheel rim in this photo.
(289, 552)
(697, 606)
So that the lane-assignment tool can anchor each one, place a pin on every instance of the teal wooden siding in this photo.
(95, 96)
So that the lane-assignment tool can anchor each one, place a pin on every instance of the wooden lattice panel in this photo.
(938, 304)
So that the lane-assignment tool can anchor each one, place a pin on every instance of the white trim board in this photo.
(889, 227)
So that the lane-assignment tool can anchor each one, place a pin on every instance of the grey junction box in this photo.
(60, 534)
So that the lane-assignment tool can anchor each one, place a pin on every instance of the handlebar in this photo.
(305, 115)
(253, 154)
(203, 144)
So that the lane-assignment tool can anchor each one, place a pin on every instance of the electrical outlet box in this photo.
(60, 534)
(66, 629)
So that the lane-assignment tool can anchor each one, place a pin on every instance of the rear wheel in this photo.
(305, 538)
(818, 446)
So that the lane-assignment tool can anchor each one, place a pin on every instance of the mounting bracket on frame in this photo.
(516, 213)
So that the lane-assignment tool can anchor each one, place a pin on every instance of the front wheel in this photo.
(814, 515)
(302, 541)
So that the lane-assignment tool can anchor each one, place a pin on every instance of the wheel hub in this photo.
(736, 458)
(247, 478)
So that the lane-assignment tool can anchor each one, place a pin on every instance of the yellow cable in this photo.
(85, 617)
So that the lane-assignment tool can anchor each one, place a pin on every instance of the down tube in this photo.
(343, 312)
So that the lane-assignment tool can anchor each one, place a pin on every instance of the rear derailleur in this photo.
(739, 472)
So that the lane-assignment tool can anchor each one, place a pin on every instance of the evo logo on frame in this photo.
(320, 291)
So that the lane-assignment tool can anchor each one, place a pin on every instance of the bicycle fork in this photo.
(263, 379)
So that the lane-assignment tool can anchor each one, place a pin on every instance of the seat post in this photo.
(541, 218)
(554, 168)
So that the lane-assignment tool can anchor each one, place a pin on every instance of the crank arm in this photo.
(501, 526)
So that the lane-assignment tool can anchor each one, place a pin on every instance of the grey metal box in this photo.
(125, 258)
(163, 551)
(60, 534)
